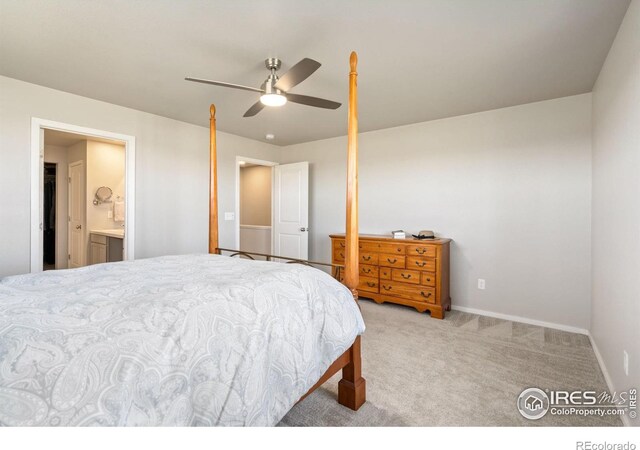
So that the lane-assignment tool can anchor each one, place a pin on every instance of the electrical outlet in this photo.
(229, 216)
(625, 362)
(480, 283)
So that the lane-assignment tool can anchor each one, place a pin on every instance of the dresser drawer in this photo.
(369, 258)
(425, 251)
(385, 273)
(338, 256)
(368, 271)
(411, 292)
(406, 276)
(391, 260)
(392, 249)
(339, 244)
(368, 284)
(368, 247)
(428, 279)
(428, 265)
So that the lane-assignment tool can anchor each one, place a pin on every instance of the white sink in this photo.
(114, 233)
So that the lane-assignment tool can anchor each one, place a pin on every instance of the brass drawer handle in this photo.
(392, 262)
(428, 279)
(367, 258)
(420, 264)
(405, 276)
(425, 295)
(342, 244)
(370, 284)
(341, 255)
(421, 251)
(386, 288)
(366, 270)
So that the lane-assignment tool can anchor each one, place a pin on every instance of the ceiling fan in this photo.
(275, 89)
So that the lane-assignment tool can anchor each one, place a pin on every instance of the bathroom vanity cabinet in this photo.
(106, 246)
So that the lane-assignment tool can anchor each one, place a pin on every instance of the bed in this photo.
(182, 340)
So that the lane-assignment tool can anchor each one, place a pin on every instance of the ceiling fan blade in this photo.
(297, 74)
(313, 101)
(223, 84)
(255, 109)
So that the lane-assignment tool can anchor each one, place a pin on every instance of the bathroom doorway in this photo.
(83, 211)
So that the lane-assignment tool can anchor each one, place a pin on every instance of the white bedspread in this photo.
(176, 340)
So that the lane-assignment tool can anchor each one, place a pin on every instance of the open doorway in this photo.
(272, 208)
(254, 205)
(49, 215)
(82, 196)
(83, 210)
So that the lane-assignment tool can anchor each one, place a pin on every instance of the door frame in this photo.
(37, 160)
(259, 162)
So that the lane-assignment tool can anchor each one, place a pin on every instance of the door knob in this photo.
(304, 229)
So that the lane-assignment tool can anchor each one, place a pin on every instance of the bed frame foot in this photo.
(352, 387)
(352, 395)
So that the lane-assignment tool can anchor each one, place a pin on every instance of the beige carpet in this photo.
(466, 370)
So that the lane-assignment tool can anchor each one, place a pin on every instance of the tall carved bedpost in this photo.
(351, 277)
(352, 387)
(213, 184)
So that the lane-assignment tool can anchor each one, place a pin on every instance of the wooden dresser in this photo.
(404, 271)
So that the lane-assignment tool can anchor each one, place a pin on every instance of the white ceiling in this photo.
(419, 60)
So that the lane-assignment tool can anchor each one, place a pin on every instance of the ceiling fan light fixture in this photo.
(273, 99)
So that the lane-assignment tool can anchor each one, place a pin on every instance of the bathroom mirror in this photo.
(103, 194)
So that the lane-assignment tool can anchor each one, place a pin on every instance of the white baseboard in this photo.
(555, 326)
(607, 378)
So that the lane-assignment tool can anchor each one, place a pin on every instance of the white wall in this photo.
(58, 155)
(615, 317)
(105, 167)
(172, 171)
(255, 195)
(255, 238)
(511, 187)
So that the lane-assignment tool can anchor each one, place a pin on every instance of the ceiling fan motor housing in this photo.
(272, 63)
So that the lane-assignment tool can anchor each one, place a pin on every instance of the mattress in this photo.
(170, 341)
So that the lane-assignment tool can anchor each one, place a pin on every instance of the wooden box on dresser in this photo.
(405, 271)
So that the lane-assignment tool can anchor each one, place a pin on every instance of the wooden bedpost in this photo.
(213, 184)
(351, 388)
(351, 277)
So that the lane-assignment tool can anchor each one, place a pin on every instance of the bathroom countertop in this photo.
(117, 233)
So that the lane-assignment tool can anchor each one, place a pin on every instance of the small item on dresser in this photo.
(424, 234)
(398, 234)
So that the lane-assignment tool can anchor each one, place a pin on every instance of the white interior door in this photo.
(291, 210)
(77, 240)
